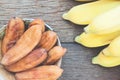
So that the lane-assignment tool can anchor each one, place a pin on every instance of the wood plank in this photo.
(77, 65)
(49, 10)
(77, 62)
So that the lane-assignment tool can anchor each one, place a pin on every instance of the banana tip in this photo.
(64, 16)
(95, 60)
(77, 38)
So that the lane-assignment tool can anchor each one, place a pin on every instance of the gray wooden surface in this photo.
(77, 61)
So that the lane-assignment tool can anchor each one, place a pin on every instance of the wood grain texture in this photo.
(77, 62)
(77, 65)
(49, 10)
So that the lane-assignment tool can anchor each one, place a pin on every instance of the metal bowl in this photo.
(27, 21)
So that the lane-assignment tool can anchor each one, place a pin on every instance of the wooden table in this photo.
(77, 61)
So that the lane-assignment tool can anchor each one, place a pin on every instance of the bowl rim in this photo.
(58, 43)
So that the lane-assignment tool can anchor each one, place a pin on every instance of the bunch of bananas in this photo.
(103, 27)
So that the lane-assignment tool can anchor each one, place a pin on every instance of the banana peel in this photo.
(106, 61)
(105, 23)
(113, 48)
(92, 0)
(85, 13)
(94, 40)
(110, 56)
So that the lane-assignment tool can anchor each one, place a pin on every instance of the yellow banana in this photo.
(109, 0)
(94, 0)
(113, 48)
(85, 13)
(94, 40)
(106, 61)
(105, 23)
(110, 56)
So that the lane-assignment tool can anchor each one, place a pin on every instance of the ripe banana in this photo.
(85, 13)
(106, 61)
(110, 56)
(106, 23)
(113, 48)
(93, 0)
(94, 40)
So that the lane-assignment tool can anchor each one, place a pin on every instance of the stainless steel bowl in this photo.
(27, 21)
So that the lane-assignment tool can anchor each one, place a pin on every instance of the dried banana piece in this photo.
(48, 40)
(13, 32)
(24, 45)
(33, 59)
(38, 22)
(50, 72)
(55, 54)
